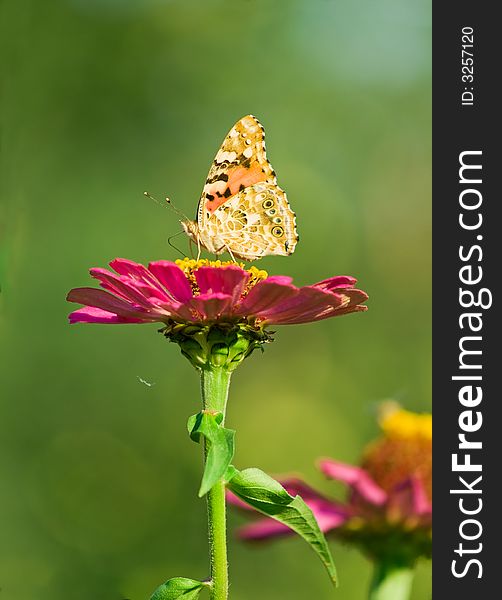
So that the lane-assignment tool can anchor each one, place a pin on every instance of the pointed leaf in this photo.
(179, 588)
(259, 490)
(220, 447)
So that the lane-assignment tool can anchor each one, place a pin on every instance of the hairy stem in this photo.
(215, 382)
(391, 582)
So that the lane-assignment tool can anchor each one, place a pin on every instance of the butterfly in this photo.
(242, 210)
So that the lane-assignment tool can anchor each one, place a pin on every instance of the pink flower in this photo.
(388, 512)
(208, 292)
(328, 513)
(217, 312)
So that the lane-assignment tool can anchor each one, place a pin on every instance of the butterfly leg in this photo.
(230, 252)
(190, 246)
(198, 248)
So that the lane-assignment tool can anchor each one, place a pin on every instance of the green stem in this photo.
(391, 582)
(215, 382)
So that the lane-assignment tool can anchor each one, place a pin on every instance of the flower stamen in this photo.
(190, 265)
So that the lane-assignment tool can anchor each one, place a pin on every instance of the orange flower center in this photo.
(403, 451)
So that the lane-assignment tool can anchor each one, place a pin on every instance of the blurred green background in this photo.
(103, 99)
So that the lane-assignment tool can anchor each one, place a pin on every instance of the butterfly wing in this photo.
(255, 222)
(240, 162)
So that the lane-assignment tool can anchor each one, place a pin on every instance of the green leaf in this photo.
(220, 447)
(179, 587)
(259, 490)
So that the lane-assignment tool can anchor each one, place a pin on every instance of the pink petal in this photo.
(296, 487)
(280, 279)
(336, 283)
(355, 296)
(409, 500)
(90, 314)
(109, 303)
(211, 306)
(173, 279)
(266, 295)
(324, 314)
(345, 311)
(328, 513)
(141, 276)
(308, 304)
(353, 305)
(124, 266)
(314, 304)
(421, 503)
(356, 478)
(120, 287)
(236, 501)
(263, 529)
(152, 293)
(229, 280)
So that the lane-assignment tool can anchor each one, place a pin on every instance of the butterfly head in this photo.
(191, 228)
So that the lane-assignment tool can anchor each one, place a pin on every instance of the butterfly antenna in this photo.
(172, 245)
(169, 204)
(148, 195)
(177, 210)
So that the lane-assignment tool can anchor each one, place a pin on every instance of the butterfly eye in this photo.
(277, 231)
(268, 204)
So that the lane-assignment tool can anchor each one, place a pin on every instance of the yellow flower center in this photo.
(396, 422)
(190, 265)
(404, 450)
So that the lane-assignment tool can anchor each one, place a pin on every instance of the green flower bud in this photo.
(224, 345)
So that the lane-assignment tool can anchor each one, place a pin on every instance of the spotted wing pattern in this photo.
(255, 222)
